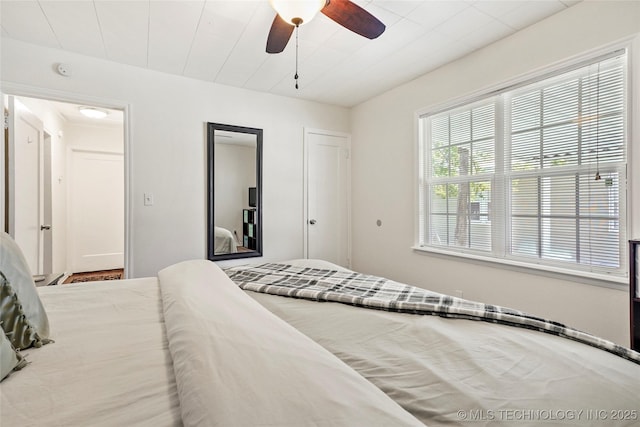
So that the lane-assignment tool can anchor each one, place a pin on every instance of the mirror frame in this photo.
(211, 129)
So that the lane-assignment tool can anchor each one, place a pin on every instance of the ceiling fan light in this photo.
(92, 112)
(292, 10)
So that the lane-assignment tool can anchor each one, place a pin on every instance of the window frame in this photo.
(500, 179)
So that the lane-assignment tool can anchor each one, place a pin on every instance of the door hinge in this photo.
(6, 120)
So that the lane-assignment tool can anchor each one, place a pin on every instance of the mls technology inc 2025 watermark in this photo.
(548, 415)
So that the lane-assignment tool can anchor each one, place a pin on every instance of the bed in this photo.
(298, 344)
(225, 243)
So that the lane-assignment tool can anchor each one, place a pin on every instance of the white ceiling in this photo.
(224, 41)
(71, 113)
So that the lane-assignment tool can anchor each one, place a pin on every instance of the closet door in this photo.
(327, 187)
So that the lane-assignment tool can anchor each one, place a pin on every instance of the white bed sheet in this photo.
(104, 376)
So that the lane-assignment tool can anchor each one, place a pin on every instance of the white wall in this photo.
(384, 139)
(168, 116)
(97, 137)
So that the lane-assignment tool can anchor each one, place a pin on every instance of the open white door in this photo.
(25, 191)
(327, 186)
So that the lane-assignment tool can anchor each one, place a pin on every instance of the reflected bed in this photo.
(225, 243)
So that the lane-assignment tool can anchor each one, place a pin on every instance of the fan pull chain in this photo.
(296, 76)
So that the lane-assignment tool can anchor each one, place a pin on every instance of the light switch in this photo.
(148, 199)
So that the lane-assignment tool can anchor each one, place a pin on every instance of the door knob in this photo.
(45, 227)
(312, 222)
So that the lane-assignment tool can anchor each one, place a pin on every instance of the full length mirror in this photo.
(234, 187)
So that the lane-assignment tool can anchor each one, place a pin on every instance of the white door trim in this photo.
(305, 186)
(15, 89)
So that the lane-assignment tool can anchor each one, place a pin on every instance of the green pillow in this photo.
(10, 359)
(13, 266)
(14, 322)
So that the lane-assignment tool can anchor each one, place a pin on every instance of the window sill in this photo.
(602, 280)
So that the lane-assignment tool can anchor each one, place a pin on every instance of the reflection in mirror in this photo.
(234, 205)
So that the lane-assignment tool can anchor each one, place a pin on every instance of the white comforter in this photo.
(449, 372)
(200, 351)
(238, 365)
(109, 364)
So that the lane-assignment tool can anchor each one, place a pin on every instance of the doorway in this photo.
(65, 132)
(327, 186)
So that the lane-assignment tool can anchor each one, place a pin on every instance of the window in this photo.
(533, 174)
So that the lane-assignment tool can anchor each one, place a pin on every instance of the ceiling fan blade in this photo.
(279, 35)
(354, 18)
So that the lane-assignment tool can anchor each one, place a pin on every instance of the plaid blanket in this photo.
(379, 293)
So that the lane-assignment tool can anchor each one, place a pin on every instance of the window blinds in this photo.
(534, 174)
(462, 159)
(563, 134)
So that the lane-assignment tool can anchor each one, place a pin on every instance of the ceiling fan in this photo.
(293, 13)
